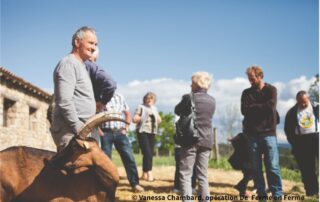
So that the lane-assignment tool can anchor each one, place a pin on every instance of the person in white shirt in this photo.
(301, 129)
(115, 133)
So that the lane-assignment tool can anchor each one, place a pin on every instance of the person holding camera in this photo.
(196, 153)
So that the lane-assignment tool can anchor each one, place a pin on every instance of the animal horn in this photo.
(98, 119)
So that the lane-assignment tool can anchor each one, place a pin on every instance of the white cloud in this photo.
(290, 89)
(226, 92)
(287, 92)
(284, 105)
(168, 92)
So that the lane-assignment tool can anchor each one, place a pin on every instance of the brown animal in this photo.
(80, 172)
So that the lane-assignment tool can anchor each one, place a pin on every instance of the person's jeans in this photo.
(123, 146)
(268, 147)
(176, 184)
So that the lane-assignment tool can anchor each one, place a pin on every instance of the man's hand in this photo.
(123, 131)
(100, 132)
(99, 107)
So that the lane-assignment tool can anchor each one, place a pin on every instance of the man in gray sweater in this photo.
(74, 97)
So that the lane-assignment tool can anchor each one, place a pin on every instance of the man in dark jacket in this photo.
(301, 128)
(103, 84)
(258, 106)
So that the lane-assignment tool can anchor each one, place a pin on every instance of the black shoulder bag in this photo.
(186, 127)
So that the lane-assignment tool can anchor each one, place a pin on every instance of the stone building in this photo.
(23, 113)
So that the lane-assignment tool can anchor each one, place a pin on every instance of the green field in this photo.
(223, 163)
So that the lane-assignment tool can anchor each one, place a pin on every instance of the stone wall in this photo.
(23, 119)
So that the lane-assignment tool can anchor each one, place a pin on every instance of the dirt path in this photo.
(221, 186)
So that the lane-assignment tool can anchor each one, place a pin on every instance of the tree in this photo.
(166, 133)
(230, 120)
(314, 90)
(164, 138)
(134, 141)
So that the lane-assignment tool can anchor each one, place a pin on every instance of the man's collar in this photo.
(258, 89)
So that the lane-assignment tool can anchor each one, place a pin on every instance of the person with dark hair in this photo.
(301, 128)
(147, 119)
(258, 106)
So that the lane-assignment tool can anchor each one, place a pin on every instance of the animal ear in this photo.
(83, 143)
(86, 145)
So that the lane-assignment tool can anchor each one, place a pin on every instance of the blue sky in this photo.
(157, 44)
(143, 39)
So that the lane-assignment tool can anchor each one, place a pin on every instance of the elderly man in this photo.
(301, 128)
(74, 97)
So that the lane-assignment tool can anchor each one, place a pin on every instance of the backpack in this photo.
(186, 127)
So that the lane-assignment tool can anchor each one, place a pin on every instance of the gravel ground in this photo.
(221, 187)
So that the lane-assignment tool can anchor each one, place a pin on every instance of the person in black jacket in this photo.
(197, 153)
(241, 160)
(258, 106)
(301, 129)
(103, 84)
(103, 87)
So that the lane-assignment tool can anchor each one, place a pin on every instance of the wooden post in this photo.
(216, 146)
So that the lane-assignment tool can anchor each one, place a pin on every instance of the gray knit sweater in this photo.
(74, 96)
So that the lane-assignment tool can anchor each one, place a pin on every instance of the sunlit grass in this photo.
(223, 163)
(157, 160)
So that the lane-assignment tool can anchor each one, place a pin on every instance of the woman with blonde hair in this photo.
(196, 154)
(147, 119)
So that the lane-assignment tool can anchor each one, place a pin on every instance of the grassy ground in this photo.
(222, 178)
(221, 164)
(221, 184)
